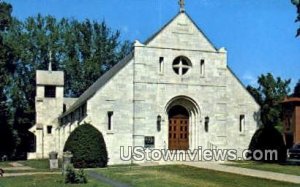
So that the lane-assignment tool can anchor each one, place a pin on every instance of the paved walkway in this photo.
(29, 174)
(102, 178)
(17, 168)
(244, 171)
(16, 164)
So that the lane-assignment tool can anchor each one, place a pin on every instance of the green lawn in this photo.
(39, 180)
(38, 164)
(287, 169)
(179, 175)
(172, 175)
(44, 181)
(4, 164)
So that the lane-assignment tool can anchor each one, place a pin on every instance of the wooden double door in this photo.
(179, 132)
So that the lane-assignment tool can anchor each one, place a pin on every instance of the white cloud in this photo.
(125, 29)
(250, 79)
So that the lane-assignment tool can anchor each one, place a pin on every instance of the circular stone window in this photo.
(181, 65)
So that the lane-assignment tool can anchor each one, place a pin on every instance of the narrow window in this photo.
(109, 117)
(206, 123)
(202, 67)
(50, 91)
(72, 117)
(161, 64)
(64, 108)
(242, 123)
(83, 110)
(49, 129)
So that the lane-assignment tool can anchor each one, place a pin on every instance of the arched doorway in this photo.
(184, 118)
(178, 128)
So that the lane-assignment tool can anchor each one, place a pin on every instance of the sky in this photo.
(259, 35)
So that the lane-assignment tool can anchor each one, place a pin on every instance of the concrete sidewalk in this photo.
(17, 168)
(30, 173)
(244, 171)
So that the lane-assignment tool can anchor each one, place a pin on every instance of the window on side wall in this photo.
(49, 129)
(50, 91)
(109, 120)
(202, 67)
(242, 123)
(161, 65)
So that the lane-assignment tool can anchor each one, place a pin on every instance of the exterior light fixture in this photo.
(158, 123)
(206, 122)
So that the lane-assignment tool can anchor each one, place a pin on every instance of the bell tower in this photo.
(48, 106)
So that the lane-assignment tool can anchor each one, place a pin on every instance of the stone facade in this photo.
(138, 94)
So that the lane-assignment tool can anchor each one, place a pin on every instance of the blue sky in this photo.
(258, 34)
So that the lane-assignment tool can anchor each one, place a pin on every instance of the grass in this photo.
(286, 169)
(5, 164)
(179, 175)
(45, 181)
(173, 175)
(42, 164)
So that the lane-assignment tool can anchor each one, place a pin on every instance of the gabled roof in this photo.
(241, 83)
(98, 84)
(168, 23)
(108, 75)
(160, 30)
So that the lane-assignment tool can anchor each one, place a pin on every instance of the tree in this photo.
(88, 147)
(297, 4)
(84, 50)
(92, 50)
(270, 92)
(268, 95)
(297, 90)
(8, 136)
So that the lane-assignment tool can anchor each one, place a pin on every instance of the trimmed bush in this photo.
(74, 177)
(87, 145)
(268, 138)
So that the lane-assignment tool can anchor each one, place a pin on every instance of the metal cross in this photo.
(181, 3)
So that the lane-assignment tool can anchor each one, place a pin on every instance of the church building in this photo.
(174, 91)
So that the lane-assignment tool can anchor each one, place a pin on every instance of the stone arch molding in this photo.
(194, 118)
(185, 101)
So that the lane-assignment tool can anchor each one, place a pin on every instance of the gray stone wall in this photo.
(115, 96)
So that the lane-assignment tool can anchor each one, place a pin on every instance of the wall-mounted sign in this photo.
(149, 141)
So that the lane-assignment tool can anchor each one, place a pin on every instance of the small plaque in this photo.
(149, 141)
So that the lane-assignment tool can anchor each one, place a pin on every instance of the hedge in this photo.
(268, 138)
(88, 147)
